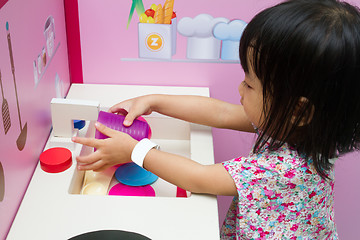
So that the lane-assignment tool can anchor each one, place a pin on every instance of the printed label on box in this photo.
(154, 42)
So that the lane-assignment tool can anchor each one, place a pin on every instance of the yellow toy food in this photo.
(143, 18)
(168, 11)
(153, 6)
(150, 20)
(159, 15)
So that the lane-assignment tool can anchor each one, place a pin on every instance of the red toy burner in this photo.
(55, 160)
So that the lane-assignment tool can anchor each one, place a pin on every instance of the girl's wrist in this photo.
(155, 102)
(141, 149)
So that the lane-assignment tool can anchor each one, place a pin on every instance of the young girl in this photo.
(300, 95)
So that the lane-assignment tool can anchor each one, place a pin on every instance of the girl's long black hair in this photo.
(306, 53)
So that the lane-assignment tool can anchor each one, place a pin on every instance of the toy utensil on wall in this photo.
(2, 183)
(5, 110)
(21, 140)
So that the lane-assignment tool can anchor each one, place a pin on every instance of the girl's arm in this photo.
(190, 175)
(180, 171)
(195, 109)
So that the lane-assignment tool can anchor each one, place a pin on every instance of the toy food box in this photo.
(157, 31)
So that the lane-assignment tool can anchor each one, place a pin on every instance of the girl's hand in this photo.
(133, 108)
(110, 151)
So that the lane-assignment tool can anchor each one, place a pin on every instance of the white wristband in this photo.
(141, 149)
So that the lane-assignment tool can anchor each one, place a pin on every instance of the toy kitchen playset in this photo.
(65, 202)
(64, 63)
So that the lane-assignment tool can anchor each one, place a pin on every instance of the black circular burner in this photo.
(110, 235)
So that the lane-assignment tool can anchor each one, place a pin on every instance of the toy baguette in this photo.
(159, 15)
(168, 11)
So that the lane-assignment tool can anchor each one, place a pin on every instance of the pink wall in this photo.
(104, 34)
(26, 21)
(107, 45)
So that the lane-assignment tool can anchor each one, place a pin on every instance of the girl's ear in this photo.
(303, 112)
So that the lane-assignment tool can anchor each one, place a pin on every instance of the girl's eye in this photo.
(246, 85)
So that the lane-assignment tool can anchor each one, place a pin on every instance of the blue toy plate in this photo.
(133, 175)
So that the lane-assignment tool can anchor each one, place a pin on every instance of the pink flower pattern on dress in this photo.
(280, 197)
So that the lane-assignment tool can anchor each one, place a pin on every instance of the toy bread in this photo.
(168, 11)
(159, 15)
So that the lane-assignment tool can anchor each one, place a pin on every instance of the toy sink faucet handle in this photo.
(64, 111)
(138, 130)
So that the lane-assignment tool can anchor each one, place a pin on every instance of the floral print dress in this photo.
(280, 197)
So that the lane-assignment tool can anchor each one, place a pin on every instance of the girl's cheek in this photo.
(241, 89)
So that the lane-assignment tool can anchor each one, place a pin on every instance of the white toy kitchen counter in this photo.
(52, 207)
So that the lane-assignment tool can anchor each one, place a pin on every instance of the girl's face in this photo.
(252, 98)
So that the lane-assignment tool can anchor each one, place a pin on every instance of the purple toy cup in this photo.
(138, 130)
